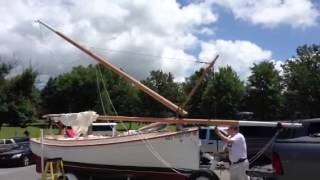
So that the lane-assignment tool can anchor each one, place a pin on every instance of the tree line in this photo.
(268, 93)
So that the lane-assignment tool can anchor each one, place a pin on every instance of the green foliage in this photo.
(4, 70)
(302, 82)
(163, 84)
(194, 106)
(71, 92)
(21, 98)
(222, 96)
(80, 90)
(264, 91)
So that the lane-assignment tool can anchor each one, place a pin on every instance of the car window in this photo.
(7, 141)
(21, 139)
(1, 141)
(203, 133)
(213, 135)
(314, 128)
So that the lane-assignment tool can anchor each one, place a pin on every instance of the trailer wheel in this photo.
(61, 178)
(203, 174)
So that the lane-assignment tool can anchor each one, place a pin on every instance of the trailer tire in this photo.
(61, 178)
(203, 174)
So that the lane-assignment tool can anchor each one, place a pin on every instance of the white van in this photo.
(210, 142)
(103, 129)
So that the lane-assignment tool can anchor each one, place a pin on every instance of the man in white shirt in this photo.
(237, 148)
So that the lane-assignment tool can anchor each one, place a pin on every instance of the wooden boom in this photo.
(210, 122)
(118, 71)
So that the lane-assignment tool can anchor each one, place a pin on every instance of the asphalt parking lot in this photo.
(19, 173)
(29, 173)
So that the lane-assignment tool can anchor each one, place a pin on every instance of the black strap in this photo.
(240, 161)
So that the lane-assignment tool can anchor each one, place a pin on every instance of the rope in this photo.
(101, 100)
(144, 140)
(134, 53)
(264, 148)
(108, 95)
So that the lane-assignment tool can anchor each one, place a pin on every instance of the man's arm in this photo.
(223, 137)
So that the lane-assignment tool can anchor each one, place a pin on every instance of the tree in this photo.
(302, 82)
(163, 84)
(194, 106)
(264, 89)
(70, 92)
(22, 98)
(4, 71)
(89, 88)
(222, 96)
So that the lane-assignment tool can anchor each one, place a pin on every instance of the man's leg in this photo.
(238, 171)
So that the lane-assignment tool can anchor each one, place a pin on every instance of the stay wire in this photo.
(148, 144)
(149, 55)
(264, 148)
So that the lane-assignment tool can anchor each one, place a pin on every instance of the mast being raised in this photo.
(118, 71)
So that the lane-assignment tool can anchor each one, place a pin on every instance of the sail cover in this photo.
(78, 121)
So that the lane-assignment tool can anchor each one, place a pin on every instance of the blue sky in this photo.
(282, 40)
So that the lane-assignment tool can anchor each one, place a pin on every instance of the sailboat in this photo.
(159, 153)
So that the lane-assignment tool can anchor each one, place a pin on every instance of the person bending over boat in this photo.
(237, 149)
(70, 132)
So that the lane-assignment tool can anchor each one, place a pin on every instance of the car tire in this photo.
(25, 161)
(203, 174)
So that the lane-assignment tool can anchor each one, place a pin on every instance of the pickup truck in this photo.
(297, 158)
(295, 154)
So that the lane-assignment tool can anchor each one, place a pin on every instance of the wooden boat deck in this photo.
(106, 140)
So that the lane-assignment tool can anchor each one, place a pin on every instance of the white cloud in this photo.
(240, 55)
(181, 65)
(207, 31)
(277, 65)
(271, 13)
(160, 27)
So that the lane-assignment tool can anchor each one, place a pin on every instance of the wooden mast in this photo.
(198, 82)
(118, 71)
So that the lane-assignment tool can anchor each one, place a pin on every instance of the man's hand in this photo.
(216, 129)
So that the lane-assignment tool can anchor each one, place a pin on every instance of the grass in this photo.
(129, 125)
(8, 132)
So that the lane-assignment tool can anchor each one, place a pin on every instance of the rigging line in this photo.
(99, 92)
(144, 139)
(263, 149)
(149, 55)
(105, 88)
(54, 55)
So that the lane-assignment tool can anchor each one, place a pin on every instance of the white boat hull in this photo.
(167, 150)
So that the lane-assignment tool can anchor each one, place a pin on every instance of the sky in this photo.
(143, 35)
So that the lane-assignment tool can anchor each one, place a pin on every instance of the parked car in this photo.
(15, 151)
(256, 139)
(210, 142)
(295, 154)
